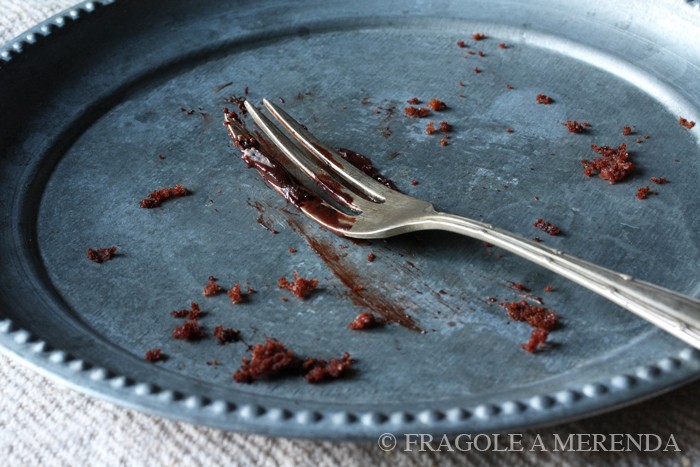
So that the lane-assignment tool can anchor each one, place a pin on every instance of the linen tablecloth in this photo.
(44, 423)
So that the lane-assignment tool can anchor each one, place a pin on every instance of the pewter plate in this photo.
(93, 97)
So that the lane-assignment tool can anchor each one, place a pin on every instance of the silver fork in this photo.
(381, 212)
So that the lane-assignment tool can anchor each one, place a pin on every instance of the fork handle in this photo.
(676, 313)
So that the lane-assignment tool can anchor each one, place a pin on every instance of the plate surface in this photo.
(137, 106)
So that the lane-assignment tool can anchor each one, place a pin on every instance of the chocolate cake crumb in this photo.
(235, 294)
(576, 127)
(430, 128)
(364, 320)
(477, 70)
(547, 227)
(509, 130)
(212, 288)
(644, 192)
(190, 330)
(100, 255)
(318, 370)
(535, 316)
(292, 249)
(479, 36)
(371, 257)
(413, 101)
(627, 130)
(519, 286)
(543, 99)
(686, 123)
(266, 359)
(549, 288)
(659, 180)
(537, 340)
(437, 105)
(461, 44)
(300, 287)
(226, 335)
(155, 355)
(157, 197)
(502, 45)
(414, 182)
(613, 166)
(193, 313)
(416, 112)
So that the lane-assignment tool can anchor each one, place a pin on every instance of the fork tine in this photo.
(331, 158)
(302, 161)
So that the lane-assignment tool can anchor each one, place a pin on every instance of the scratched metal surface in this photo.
(80, 148)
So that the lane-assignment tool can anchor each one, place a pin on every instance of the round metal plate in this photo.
(137, 106)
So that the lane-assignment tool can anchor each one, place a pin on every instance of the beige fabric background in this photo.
(43, 423)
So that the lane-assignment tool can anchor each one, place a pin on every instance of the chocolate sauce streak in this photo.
(359, 291)
(265, 157)
(365, 164)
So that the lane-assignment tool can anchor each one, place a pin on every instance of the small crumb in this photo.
(547, 227)
(318, 370)
(613, 166)
(157, 197)
(371, 257)
(155, 355)
(686, 123)
(430, 128)
(413, 101)
(416, 112)
(292, 249)
(190, 330)
(627, 130)
(502, 45)
(537, 340)
(193, 313)
(461, 44)
(481, 53)
(477, 70)
(537, 239)
(212, 288)
(265, 359)
(437, 105)
(100, 255)
(364, 320)
(549, 288)
(226, 335)
(644, 192)
(543, 99)
(576, 127)
(509, 130)
(509, 86)
(659, 180)
(479, 36)
(234, 293)
(414, 182)
(300, 287)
